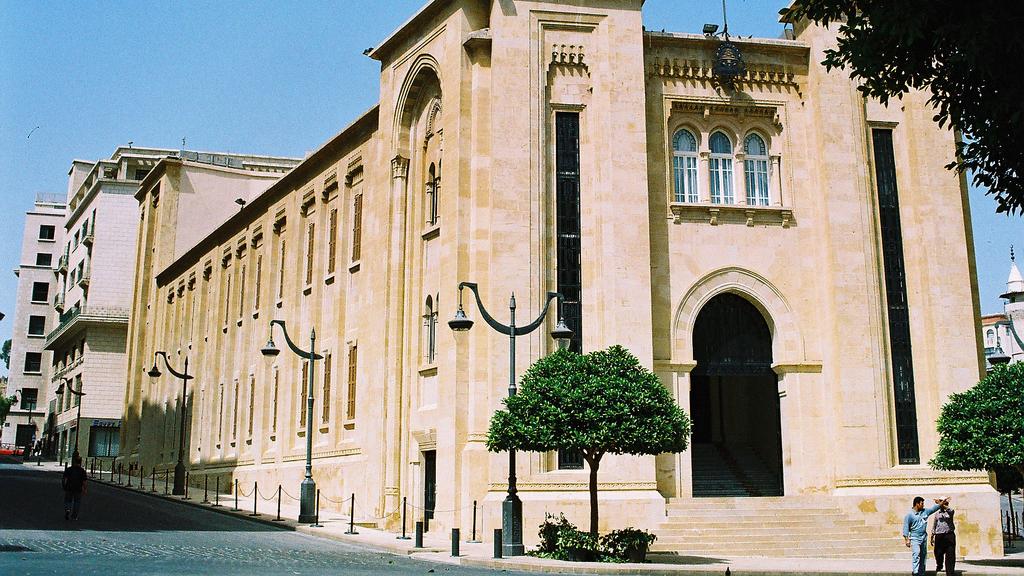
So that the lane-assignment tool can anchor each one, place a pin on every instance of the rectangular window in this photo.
(273, 405)
(220, 414)
(78, 386)
(227, 296)
(569, 459)
(357, 227)
(46, 232)
(304, 387)
(757, 182)
(567, 225)
(252, 402)
(104, 441)
(280, 265)
(685, 172)
(33, 362)
(36, 325)
(332, 240)
(721, 181)
(41, 292)
(29, 397)
(44, 259)
(896, 298)
(259, 281)
(353, 358)
(241, 293)
(234, 413)
(326, 397)
(310, 239)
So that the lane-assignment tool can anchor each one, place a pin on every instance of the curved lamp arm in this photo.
(171, 369)
(483, 311)
(291, 344)
(65, 383)
(521, 330)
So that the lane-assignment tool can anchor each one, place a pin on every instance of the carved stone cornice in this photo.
(573, 486)
(755, 75)
(571, 55)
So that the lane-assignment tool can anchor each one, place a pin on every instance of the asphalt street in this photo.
(124, 532)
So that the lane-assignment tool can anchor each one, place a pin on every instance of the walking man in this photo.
(944, 538)
(915, 530)
(73, 483)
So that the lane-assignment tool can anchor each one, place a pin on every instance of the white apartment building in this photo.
(94, 285)
(1004, 339)
(41, 246)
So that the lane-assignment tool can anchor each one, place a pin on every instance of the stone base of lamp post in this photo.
(179, 479)
(307, 501)
(512, 526)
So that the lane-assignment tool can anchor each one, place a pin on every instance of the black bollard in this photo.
(473, 540)
(129, 475)
(455, 542)
(278, 519)
(152, 480)
(418, 543)
(255, 497)
(216, 493)
(206, 487)
(316, 515)
(404, 505)
(352, 516)
(167, 478)
(497, 542)
(186, 485)
(236, 496)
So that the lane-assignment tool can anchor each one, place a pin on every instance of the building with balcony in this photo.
(94, 273)
(1003, 333)
(792, 260)
(29, 377)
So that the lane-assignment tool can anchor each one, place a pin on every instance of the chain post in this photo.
(352, 516)
(216, 493)
(404, 506)
(235, 509)
(206, 486)
(278, 519)
(255, 497)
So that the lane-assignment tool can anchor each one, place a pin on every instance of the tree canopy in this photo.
(983, 428)
(598, 403)
(963, 53)
(5, 407)
(5, 353)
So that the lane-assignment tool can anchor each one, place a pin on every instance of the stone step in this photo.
(755, 548)
(767, 529)
(785, 553)
(705, 515)
(781, 538)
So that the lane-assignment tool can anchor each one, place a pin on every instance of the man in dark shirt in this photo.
(73, 483)
(944, 538)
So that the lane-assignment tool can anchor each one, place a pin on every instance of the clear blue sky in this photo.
(261, 77)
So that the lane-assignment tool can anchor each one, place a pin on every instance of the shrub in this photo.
(627, 544)
(550, 530)
(576, 545)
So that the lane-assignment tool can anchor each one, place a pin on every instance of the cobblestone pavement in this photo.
(123, 532)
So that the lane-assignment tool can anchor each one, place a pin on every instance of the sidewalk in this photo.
(437, 546)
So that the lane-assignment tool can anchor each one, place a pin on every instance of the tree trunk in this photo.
(594, 464)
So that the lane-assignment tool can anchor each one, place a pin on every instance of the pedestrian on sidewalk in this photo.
(944, 538)
(915, 532)
(73, 483)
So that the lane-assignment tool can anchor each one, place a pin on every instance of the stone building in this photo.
(791, 259)
(33, 316)
(1002, 337)
(95, 271)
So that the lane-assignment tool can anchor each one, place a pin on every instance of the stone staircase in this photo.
(732, 471)
(791, 526)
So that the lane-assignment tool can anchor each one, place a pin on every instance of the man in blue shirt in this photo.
(915, 528)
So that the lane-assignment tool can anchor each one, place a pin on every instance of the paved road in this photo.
(122, 532)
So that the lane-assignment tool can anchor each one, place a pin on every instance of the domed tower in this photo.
(1012, 338)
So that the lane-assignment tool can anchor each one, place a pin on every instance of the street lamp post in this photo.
(66, 383)
(512, 506)
(307, 491)
(179, 468)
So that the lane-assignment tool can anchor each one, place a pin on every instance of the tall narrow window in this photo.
(252, 402)
(896, 298)
(567, 225)
(227, 296)
(684, 166)
(310, 239)
(756, 170)
(431, 194)
(353, 357)
(325, 417)
(720, 169)
(437, 194)
(332, 239)
(241, 292)
(357, 226)
(235, 409)
(305, 391)
(220, 414)
(259, 282)
(280, 267)
(273, 404)
(430, 329)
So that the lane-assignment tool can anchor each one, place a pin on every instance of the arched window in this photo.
(756, 169)
(430, 327)
(990, 338)
(431, 189)
(684, 166)
(720, 169)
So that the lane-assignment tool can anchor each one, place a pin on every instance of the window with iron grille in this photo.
(570, 459)
(325, 417)
(332, 239)
(252, 403)
(280, 267)
(241, 292)
(235, 409)
(896, 298)
(357, 227)
(353, 356)
(273, 405)
(310, 240)
(567, 225)
(259, 282)
(304, 392)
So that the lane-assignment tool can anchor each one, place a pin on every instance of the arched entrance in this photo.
(734, 402)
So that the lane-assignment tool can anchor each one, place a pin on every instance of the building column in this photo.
(704, 176)
(775, 177)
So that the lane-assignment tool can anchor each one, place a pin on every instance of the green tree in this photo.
(5, 353)
(5, 407)
(964, 54)
(600, 403)
(983, 428)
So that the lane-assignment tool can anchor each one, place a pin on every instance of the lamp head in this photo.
(270, 350)
(60, 389)
(460, 323)
(154, 372)
(562, 333)
(710, 29)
